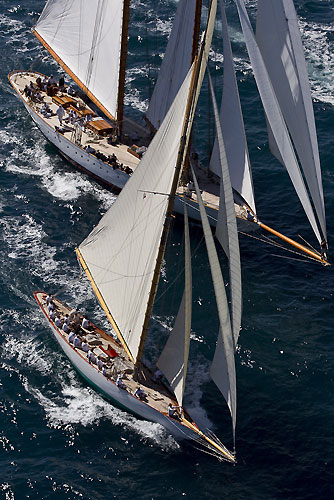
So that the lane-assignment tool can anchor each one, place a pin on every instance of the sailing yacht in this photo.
(122, 258)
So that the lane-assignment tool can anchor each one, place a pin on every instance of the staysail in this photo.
(223, 365)
(232, 126)
(278, 37)
(85, 38)
(120, 253)
(176, 61)
(226, 229)
(275, 117)
(173, 360)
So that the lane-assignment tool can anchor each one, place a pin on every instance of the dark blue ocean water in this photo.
(59, 439)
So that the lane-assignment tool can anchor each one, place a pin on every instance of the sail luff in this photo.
(274, 116)
(103, 303)
(232, 126)
(226, 219)
(198, 74)
(223, 365)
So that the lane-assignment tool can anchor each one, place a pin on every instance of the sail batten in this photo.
(85, 38)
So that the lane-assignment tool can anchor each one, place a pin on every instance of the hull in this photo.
(103, 172)
(108, 387)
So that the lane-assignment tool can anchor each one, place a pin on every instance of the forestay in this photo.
(175, 64)
(173, 360)
(85, 38)
(274, 116)
(223, 365)
(232, 126)
(278, 37)
(120, 253)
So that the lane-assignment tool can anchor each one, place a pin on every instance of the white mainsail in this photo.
(278, 37)
(223, 366)
(85, 38)
(173, 360)
(120, 253)
(175, 64)
(232, 126)
(226, 229)
(275, 117)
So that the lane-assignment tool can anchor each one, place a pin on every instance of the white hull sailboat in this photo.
(88, 69)
(122, 258)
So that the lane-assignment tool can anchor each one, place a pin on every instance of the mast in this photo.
(197, 23)
(170, 207)
(198, 74)
(122, 66)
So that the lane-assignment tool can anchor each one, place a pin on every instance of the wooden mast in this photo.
(122, 66)
(170, 207)
(197, 23)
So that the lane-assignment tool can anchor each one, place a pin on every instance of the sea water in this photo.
(59, 438)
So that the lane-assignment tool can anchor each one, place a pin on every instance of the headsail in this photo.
(223, 365)
(173, 360)
(226, 229)
(279, 40)
(85, 39)
(233, 128)
(274, 116)
(176, 61)
(120, 253)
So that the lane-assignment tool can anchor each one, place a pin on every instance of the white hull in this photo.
(109, 388)
(105, 173)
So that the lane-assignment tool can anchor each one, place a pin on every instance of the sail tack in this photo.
(233, 128)
(278, 37)
(173, 360)
(275, 117)
(120, 253)
(175, 64)
(85, 38)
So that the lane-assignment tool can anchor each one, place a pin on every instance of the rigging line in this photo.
(308, 244)
(268, 241)
(178, 276)
(96, 34)
(293, 258)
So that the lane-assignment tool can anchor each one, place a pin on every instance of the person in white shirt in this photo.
(173, 411)
(84, 346)
(66, 328)
(67, 319)
(85, 323)
(50, 307)
(139, 393)
(76, 342)
(71, 337)
(99, 364)
(91, 357)
(57, 321)
(52, 315)
(60, 114)
(119, 382)
(48, 298)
